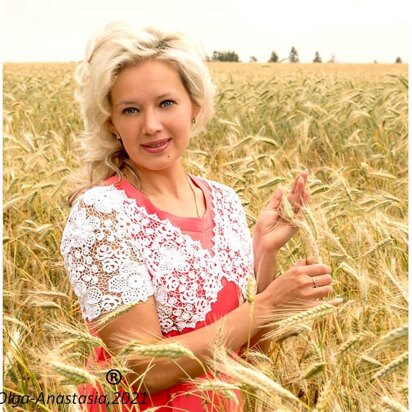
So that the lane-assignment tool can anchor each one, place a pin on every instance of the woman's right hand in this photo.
(296, 289)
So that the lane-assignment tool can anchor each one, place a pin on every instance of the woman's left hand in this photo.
(271, 231)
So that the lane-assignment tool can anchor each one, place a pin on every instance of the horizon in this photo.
(357, 32)
(240, 62)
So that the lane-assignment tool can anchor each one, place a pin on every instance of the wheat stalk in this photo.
(219, 386)
(296, 323)
(287, 214)
(247, 375)
(75, 335)
(393, 405)
(313, 370)
(347, 346)
(107, 318)
(371, 361)
(323, 401)
(171, 350)
(82, 340)
(391, 367)
(216, 385)
(394, 335)
(251, 290)
(361, 279)
(307, 315)
(73, 373)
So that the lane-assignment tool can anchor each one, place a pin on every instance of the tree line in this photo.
(231, 56)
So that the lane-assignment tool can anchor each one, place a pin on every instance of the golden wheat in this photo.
(346, 124)
(399, 362)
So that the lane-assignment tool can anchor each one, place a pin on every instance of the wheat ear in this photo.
(393, 405)
(72, 373)
(251, 290)
(396, 364)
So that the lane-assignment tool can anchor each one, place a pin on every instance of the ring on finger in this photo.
(314, 283)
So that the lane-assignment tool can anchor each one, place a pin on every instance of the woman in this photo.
(145, 232)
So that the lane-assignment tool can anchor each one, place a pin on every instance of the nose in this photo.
(151, 122)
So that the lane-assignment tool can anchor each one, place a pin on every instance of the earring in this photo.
(118, 136)
(193, 121)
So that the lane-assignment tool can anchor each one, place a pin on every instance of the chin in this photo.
(158, 166)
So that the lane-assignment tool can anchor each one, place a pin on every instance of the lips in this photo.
(157, 146)
(156, 142)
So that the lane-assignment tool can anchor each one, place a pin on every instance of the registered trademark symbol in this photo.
(113, 376)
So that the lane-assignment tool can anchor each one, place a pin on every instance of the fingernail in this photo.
(339, 300)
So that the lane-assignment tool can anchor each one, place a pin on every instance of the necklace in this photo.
(191, 188)
(194, 194)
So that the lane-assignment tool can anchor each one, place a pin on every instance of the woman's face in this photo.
(149, 105)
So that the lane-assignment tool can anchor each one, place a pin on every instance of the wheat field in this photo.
(346, 124)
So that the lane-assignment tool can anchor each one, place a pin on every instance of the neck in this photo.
(163, 183)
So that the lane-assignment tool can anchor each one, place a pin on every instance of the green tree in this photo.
(227, 56)
(274, 58)
(317, 58)
(252, 59)
(398, 60)
(293, 56)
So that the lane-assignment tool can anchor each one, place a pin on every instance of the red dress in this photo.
(184, 396)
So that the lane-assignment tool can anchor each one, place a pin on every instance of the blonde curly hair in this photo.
(108, 52)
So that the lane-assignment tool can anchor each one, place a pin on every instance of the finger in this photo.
(335, 302)
(313, 270)
(292, 191)
(321, 292)
(311, 303)
(310, 260)
(301, 262)
(275, 200)
(300, 208)
(297, 198)
(297, 182)
(306, 198)
(321, 280)
(304, 176)
(299, 189)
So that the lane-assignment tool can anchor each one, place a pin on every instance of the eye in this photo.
(167, 103)
(129, 110)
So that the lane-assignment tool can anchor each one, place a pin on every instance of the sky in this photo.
(354, 31)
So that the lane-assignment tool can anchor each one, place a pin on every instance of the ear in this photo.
(196, 110)
(110, 126)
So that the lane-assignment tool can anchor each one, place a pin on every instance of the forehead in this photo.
(147, 78)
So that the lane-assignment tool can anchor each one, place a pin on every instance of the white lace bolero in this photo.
(116, 253)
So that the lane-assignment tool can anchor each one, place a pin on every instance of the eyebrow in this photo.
(134, 102)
